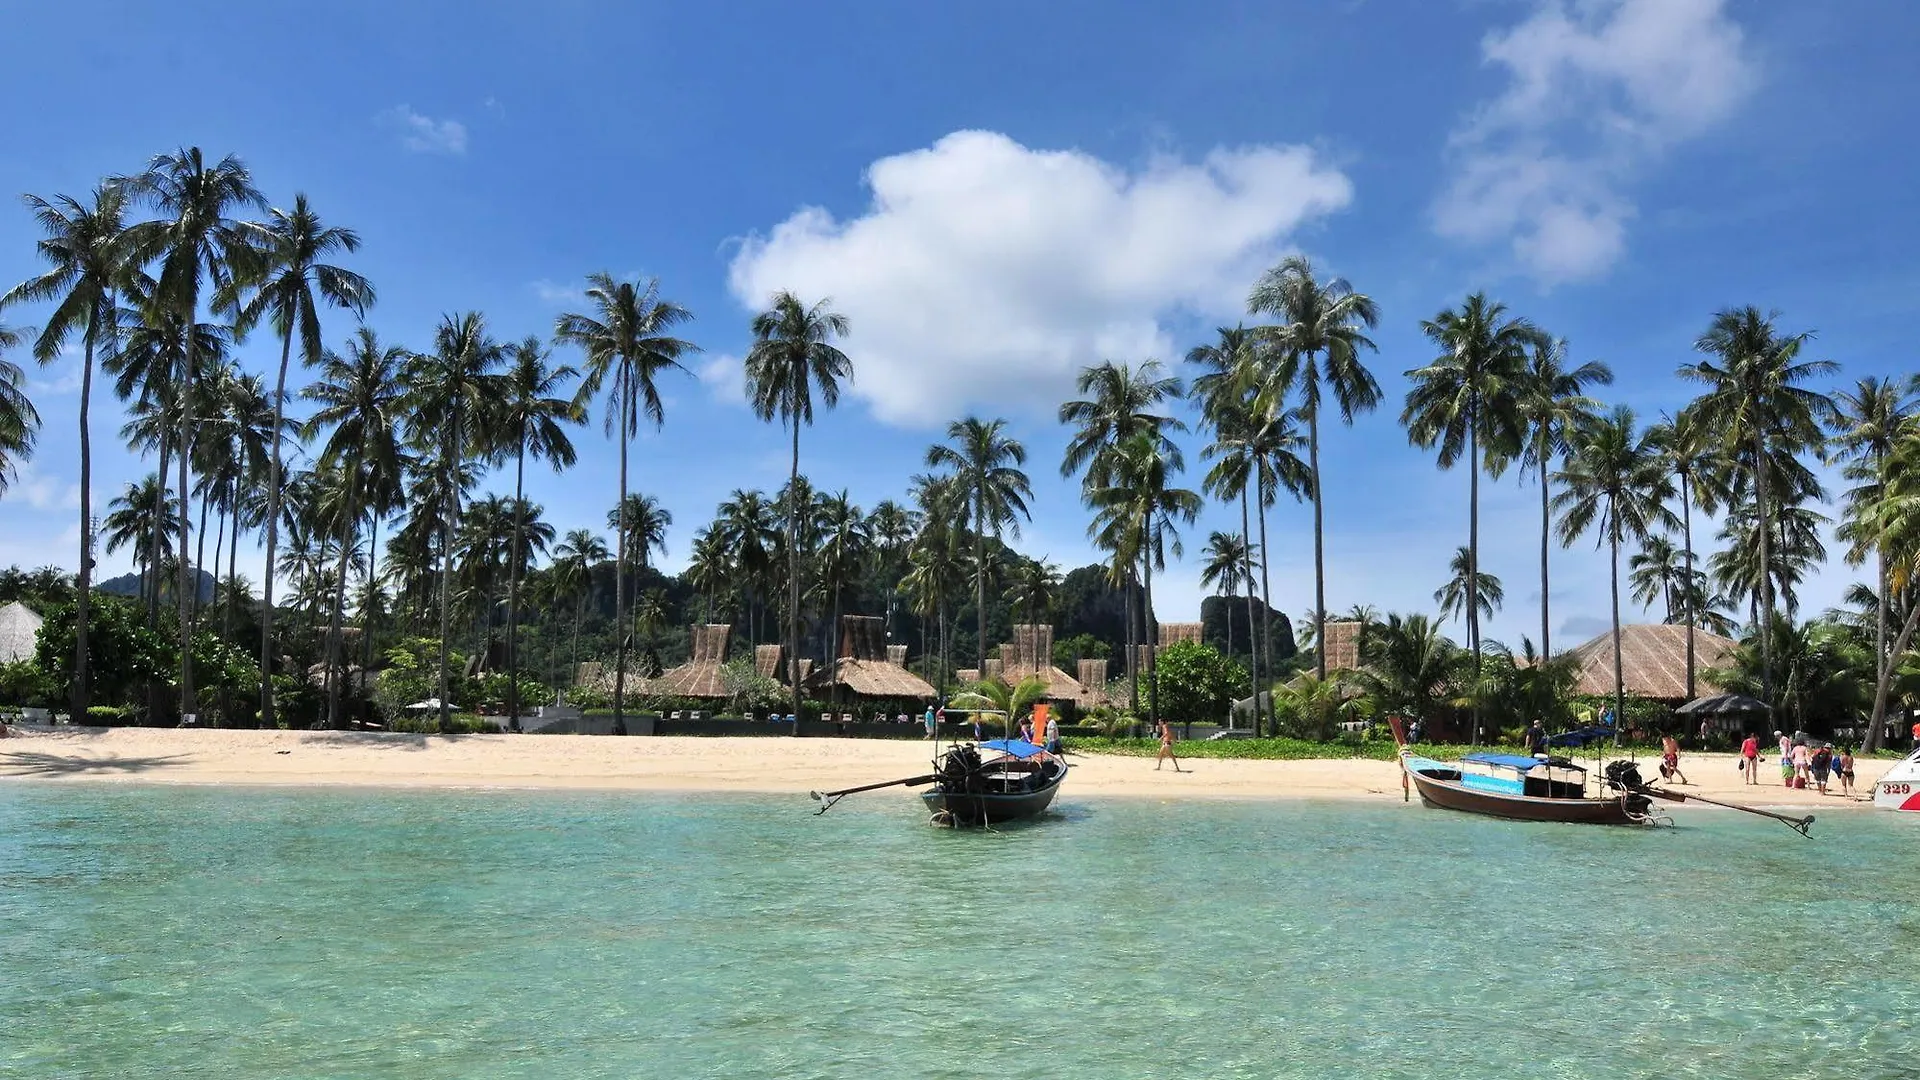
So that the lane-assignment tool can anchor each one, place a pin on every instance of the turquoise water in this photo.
(173, 932)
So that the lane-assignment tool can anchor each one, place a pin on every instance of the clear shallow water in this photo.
(167, 932)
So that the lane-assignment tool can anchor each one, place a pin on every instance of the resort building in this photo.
(868, 668)
(1653, 662)
(19, 632)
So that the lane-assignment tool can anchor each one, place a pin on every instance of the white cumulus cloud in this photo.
(985, 273)
(425, 135)
(1597, 89)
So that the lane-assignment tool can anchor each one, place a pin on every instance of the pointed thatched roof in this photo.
(699, 677)
(1031, 653)
(1173, 633)
(1342, 645)
(19, 632)
(868, 666)
(1653, 661)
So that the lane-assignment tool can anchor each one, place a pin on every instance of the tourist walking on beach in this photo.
(1844, 765)
(1670, 760)
(931, 728)
(1536, 739)
(1822, 763)
(1053, 734)
(1786, 759)
(1750, 758)
(1166, 749)
(1802, 764)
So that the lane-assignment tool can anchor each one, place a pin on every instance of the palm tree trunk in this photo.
(980, 574)
(1692, 610)
(1883, 660)
(1253, 631)
(273, 536)
(1319, 555)
(200, 553)
(79, 693)
(335, 719)
(1473, 567)
(620, 561)
(1766, 566)
(513, 586)
(1266, 613)
(450, 497)
(1133, 648)
(366, 605)
(793, 574)
(190, 424)
(1619, 679)
(1153, 666)
(226, 618)
(1546, 527)
(579, 613)
(1884, 683)
(155, 527)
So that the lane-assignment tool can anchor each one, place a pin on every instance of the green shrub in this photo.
(111, 715)
(23, 682)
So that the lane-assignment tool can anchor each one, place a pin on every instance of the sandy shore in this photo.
(175, 756)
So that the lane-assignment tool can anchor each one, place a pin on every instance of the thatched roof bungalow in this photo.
(19, 632)
(1031, 653)
(868, 667)
(1653, 661)
(700, 676)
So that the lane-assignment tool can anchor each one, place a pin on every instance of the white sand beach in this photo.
(771, 765)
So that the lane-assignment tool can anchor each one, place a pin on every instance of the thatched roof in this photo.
(699, 677)
(1653, 661)
(868, 666)
(1173, 633)
(1341, 645)
(19, 632)
(1031, 653)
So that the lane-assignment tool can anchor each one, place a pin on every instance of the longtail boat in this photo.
(1013, 779)
(1539, 788)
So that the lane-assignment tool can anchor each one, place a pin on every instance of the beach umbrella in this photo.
(1724, 705)
(432, 704)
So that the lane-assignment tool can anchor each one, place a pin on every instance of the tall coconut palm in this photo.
(359, 397)
(892, 528)
(573, 563)
(138, 519)
(845, 546)
(291, 285)
(1616, 481)
(1121, 401)
(1658, 573)
(1553, 404)
(86, 249)
(751, 528)
(1139, 511)
(533, 415)
(1319, 332)
(1466, 403)
(793, 358)
(985, 464)
(196, 241)
(1485, 588)
(1757, 403)
(1867, 429)
(1034, 589)
(1226, 571)
(628, 344)
(1892, 524)
(1693, 458)
(1227, 392)
(937, 565)
(19, 423)
(453, 395)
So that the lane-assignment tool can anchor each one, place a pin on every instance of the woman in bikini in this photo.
(1166, 749)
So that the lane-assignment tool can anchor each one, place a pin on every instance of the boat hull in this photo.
(1450, 795)
(990, 807)
(1899, 789)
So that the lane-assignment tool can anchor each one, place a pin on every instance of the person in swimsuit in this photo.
(1670, 760)
(1750, 759)
(1802, 764)
(1166, 749)
(1844, 765)
(1786, 759)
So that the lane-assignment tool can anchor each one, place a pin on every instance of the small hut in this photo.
(1030, 653)
(700, 676)
(1653, 662)
(19, 632)
(869, 668)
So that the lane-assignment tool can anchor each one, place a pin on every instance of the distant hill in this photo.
(129, 585)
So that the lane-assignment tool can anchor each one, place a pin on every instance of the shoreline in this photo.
(693, 765)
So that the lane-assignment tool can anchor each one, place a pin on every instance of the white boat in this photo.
(1899, 789)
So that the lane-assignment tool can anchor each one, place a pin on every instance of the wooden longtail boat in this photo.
(1014, 779)
(1540, 788)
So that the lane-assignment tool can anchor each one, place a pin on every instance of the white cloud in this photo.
(425, 135)
(40, 491)
(556, 294)
(987, 273)
(725, 377)
(1597, 89)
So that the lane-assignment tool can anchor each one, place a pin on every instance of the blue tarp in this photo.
(1506, 761)
(1019, 748)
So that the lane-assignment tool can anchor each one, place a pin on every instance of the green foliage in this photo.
(587, 697)
(1311, 708)
(1196, 682)
(111, 715)
(411, 675)
(748, 691)
(124, 654)
(24, 682)
(1068, 652)
(492, 690)
(429, 724)
(1015, 701)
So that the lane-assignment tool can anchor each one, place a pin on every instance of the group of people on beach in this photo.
(1803, 762)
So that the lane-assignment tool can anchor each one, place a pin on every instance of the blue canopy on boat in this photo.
(1505, 761)
(1019, 748)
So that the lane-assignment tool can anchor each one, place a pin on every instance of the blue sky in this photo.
(998, 193)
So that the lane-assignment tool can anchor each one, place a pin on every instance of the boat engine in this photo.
(1624, 776)
(957, 767)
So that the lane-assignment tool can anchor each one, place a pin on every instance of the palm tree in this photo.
(1697, 464)
(1466, 403)
(1120, 404)
(19, 423)
(1485, 588)
(1407, 667)
(792, 357)
(1140, 512)
(845, 544)
(751, 528)
(1227, 393)
(937, 566)
(1616, 480)
(1036, 583)
(137, 519)
(987, 477)
(892, 527)
(1868, 428)
(534, 414)
(1658, 573)
(454, 394)
(359, 397)
(1553, 405)
(86, 248)
(573, 563)
(196, 235)
(1226, 571)
(628, 338)
(646, 523)
(1756, 403)
(1014, 702)
(1319, 334)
